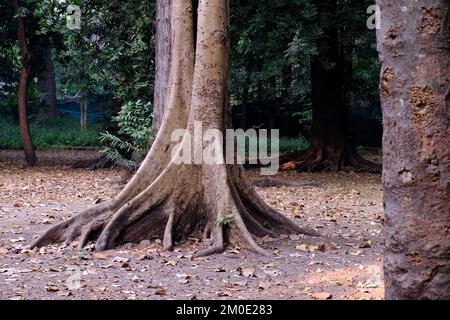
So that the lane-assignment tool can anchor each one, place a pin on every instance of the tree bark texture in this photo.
(163, 59)
(414, 46)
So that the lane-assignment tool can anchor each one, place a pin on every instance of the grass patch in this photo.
(65, 132)
(51, 134)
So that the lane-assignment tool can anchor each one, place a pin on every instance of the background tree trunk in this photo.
(46, 78)
(84, 100)
(163, 59)
(30, 155)
(331, 148)
(415, 91)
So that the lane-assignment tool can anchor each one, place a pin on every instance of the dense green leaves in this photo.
(270, 42)
(129, 146)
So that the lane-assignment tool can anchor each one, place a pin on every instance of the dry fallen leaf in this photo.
(121, 260)
(321, 295)
(160, 292)
(172, 263)
(51, 289)
(184, 278)
(248, 272)
(366, 244)
(14, 225)
(307, 247)
(145, 256)
(101, 256)
(289, 166)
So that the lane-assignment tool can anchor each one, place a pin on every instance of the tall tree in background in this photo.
(174, 201)
(331, 73)
(30, 155)
(415, 92)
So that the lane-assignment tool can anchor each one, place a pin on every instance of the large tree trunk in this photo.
(46, 78)
(415, 91)
(30, 155)
(174, 201)
(331, 148)
(162, 60)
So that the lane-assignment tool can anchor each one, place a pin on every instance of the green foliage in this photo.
(128, 36)
(285, 145)
(272, 43)
(225, 220)
(305, 116)
(129, 146)
(8, 102)
(57, 133)
(288, 145)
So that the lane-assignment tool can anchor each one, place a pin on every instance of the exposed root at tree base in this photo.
(226, 211)
(101, 162)
(320, 159)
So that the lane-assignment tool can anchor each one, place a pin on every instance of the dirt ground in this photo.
(345, 263)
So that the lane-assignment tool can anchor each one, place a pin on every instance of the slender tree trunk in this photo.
(101, 161)
(83, 112)
(46, 78)
(415, 91)
(331, 148)
(175, 201)
(163, 59)
(30, 155)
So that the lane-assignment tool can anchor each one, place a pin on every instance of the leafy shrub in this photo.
(134, 136)
(288, 145)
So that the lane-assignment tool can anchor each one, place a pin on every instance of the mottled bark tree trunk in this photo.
(46, 78)
(30, 155)
(162, 60)
(174, 201)
(415, 91)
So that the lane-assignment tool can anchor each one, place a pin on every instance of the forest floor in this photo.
(345, 263)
